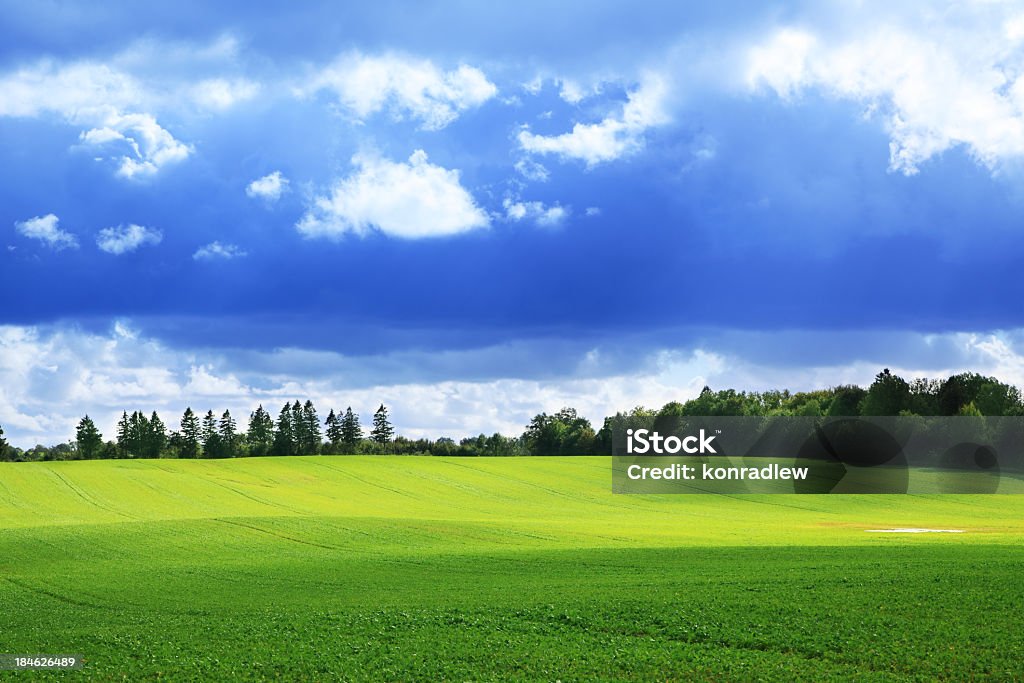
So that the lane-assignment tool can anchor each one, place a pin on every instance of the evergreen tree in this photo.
(351, 431)
(300, 430)
(87, 437)
(311, 422)
(261, 432)
(5, 449)
(284, 434)
(189, 435)
(138, 434)
(175, 445)
(156, 439)
(212, 445)
(333, 425)
(124, 435)
(382, 431)
(228, 434)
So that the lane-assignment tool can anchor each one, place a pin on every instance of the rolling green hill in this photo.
(507, 568)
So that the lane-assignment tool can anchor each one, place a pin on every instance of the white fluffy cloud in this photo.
(104, 101)
(123, 239)
(410, 200)
(934, 89)
(405, 86)
(616, 136)
(269, 187)
(44, 229)
(542, 215)
(149, 146)
(216, 250)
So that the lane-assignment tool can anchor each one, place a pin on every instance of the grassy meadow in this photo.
(408, 568)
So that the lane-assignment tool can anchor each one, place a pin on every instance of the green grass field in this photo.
(324, 568)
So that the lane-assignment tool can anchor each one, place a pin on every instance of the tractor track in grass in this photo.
(366, 481)
(285, 537)
(24, 585)
(556, 492)
(379, 554)
(89, 499)
(9, 498)
(256, 499)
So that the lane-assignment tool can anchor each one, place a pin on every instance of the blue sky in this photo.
(476, 212)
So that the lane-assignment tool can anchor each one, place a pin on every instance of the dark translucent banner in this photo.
(818, 455)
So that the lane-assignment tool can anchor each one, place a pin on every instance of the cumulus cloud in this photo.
(269, 187)
(124, 239)
(411, 200)
(44, 229)
(216, 250)
(149, 146)
(934, 89)
(615, 136)
(105, 102)
(538, 212)
(405, 86)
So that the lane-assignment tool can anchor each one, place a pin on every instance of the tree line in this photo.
(298, 430)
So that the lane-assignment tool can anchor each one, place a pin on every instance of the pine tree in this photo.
(138, 434)
(261, 432)
(212, 446)
(189, 434)
(156, 440)
(333, 425)
(124, 435)
(300, 430)
(228, 434)
(284, 434)
(382, 431)
(351, 431)
(87, 437)
(311, 422)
